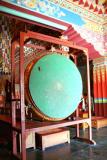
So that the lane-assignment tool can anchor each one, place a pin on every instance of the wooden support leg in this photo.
(22, 104)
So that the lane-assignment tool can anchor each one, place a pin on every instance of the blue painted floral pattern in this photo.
(50, 9)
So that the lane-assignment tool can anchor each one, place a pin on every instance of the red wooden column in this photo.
(104, 90)
(105, 108)
(100, 94)
(22, 104)
(100, 89)
(95, 87)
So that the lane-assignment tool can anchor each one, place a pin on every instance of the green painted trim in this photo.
(31, 17)
(100, 100)
(104, 100)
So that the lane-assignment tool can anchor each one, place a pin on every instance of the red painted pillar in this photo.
(105, 108)
(95, 85)
(104, 90)
(100, 96)
(100, 87)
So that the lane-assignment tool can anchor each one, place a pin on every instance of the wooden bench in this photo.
(52, 137)
(30, 141)
(99, 122)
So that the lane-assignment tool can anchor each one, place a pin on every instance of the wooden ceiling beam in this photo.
(71, 33)
(75, 37)
(81, 41)
(51, 39)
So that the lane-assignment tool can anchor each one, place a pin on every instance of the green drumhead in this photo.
(55, 86)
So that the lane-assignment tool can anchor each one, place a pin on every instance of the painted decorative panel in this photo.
(89, 25)
(5, 43)
(49, 9)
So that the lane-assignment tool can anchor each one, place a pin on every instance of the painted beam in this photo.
(49, 9)
(30, 17)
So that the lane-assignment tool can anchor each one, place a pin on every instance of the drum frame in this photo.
(44, 126)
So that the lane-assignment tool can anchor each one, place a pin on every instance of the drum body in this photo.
(53, 86)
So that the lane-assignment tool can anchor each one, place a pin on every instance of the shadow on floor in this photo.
(73, 151)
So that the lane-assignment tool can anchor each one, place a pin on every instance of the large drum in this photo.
(53, 86)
